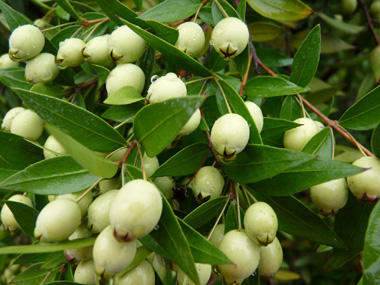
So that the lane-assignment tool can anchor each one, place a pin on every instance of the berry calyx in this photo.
(27, 124)
(207, 184)
(270, 259)
(7, 216)
(166, 87)
(298, 137)
(70, 53)
(53, 147)
(191, 38)
(127, 74)
(41, 69)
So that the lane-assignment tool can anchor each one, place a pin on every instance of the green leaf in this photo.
(141, 253)
(320, 144)
(302, 176)
(185, 162)
(124, 96)
(259, 162)
(85, 127)
(48, 89)
(203, 251)
(14, 77)
(217, 13)
(291, 109)
(364, 114)
(15, 154)
(171, 238)
(274, 129)
(164, 32)
(205, 212)
(375, 141)
(25, 216)
(297, 219)
(34, 275)
(242, 61)
(90, 160)
(171, 11)
(156, 125)
(306, 59)
(59, 175)
(289, 10)
(341, 26)
(14, 18)
(264, 31)
(232, 218)
(65, 4)
(122, 113)
(268, 86)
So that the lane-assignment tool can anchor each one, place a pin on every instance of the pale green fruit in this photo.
(85, 272)
(256, 114)
(208, 183)
(108, 184)
(6, 62)
(26, 42)
(365, 185)
(374, 61)
(260, 223)
(230, 135)
(52, 147)
(346, 154)
(136, 210)
(218, 235)
(349, 6)
(204, 273)
(117, 155)
(191, 38)
(151, 164)
(375, 10)
(230, 37)
(158, 264)
(270, 259)
(83, 253)
(192, 124)
(57, 220)
(8, 118)
(125, 45)
(165, 185)
(330, 196)
(28, 125)
(298, 137)
(166, 87)
(41, 69)
(127, 74)
(7, 217)
(70, 53)
(142, 274)
(97, 51)
(243, 252)
(83, 203)
(319, 125)
(98, 211)
(111, 256)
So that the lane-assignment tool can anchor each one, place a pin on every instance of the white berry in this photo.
(26, 42)
(85, 272)
(7, 216)
(298, 137)
(70, 53)
(270, 259)
(8, 118)
(166, 87)
(204, 273)
(142, 274)
(127, 74)
(256, 114)
(7, 62)
(52, 147)
(208, 183)
(191, 38)
(41, 69)
(97, 51)
(28, 125)
(192, 124)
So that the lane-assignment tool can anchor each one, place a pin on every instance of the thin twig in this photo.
(218, 219)
(245, 78)
(89, 190)
(221, 8)
(131, 147)
(249, 193)
(199, 9)
(224, 95)
(238, 205)
(370, 22)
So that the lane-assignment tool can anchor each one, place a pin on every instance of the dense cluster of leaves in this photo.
(77, 112)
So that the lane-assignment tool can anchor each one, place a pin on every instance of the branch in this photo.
(370, 22)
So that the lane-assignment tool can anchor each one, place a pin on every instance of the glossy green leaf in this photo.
(274, 129)
(242, 8)
(47, 89)
(156, 125)
(268, 86)
(14, 77)
(272, 57)
(205, 212)
(291, 109)
(59, 175)
(14, 18)
(302, 176)
(34, 275)
(264, 31)
(242, 61)
(297, 219)
(149, 242)
(259, 162)
(141, 253)
(90, 160)
(185, 162)
(218, 14)
(320, 144)
(25, 216)
(232, 218)
(289, 10)
(171, 11)
(341, 26)
(364, 114)
(171, 238)
(203, 251)
(65, 4)
(85, 127)
(122, 113)
(164, 32)
(306, 59)
(331, 44)
(375, 141)
(124, 96)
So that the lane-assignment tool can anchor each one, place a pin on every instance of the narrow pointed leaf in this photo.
(274, 129)
(232, 218)
(124, 96)
(25, 216)
(375, 141)
(65, 4)
(320, 144)
(14, 77)
(122, 112)
(291, 109)
(14, 18)
(342, 26)
(263, 31)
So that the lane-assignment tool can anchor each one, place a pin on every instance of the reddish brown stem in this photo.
(244, 81)
(370, 22)
(124, 158)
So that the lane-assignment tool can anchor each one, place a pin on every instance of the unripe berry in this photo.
(374, 61)
(365, 185)
(6, 62)
(218, 235)
(83, 253)
(85, 272)
(26, 42)
(7, 217)
(256, 114)
(165, 184)
(230, 135)
(111, 256)
(208, 183)
(260, 223)
(41, 69)
(125, 45)
(108, 184)
(330, 196)
(204, 273)
(52, 147)
(98, 211)
(298, 137)
(191, 38)
(83, 203)
(349, 6)
(142, 274)
(28, 125)
(136, 210)
(319, 125)
(166, 87)
(126, 74)
(70, 53)
(375, 10)
(8, 118)
(230, 37)
(270, 259)
(57, 220)
(243, 252)
(97, 51)
(151, 164)
(192, 124)
(158, 264)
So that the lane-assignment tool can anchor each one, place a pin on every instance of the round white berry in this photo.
(151, 164)
(97, 51)
(7, 62)
(27, 124)
(83, 203)
(85, 272)
(52, 147)
(70, 53)
(26, 42)
(83, 253)
(217, 235)
(166, 87)
(158, 264)
(142, 274)
(165, 184)
(204, 273)
(298, 137)
(191, 38)
(41, 69)
(127, 74)
(256, 114)
(192, 124)
(8, 118)
(270, 258)
(208, 183)
(7, 216)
